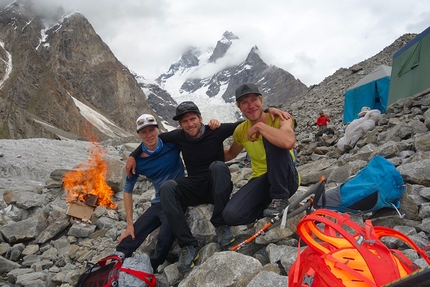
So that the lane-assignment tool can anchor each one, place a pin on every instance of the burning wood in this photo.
(88, 182)
(91, 199)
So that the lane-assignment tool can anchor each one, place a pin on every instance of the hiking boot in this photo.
(277, 206)
(224, 235)
(187, 256)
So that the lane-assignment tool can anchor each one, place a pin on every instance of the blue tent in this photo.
(371, 91)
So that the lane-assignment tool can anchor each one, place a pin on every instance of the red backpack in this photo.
(340, 252)
(106, 271)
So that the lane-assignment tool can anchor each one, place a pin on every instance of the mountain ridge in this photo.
(53, 65)
(188, 79)
(328, 95)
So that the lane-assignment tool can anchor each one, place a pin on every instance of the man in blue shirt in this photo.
(159, 162)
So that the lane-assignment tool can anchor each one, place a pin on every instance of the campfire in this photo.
(87, 184)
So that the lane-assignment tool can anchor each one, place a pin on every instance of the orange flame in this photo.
(89, 178)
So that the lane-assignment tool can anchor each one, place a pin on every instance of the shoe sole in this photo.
(227, 243)
(194, 260)
(191, 266)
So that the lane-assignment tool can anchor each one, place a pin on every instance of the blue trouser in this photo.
(180, 193)
(150, 220)
(280, 181)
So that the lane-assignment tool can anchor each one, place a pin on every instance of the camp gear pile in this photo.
(341, 252)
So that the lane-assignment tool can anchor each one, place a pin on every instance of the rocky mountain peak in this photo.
(278, 85)
(60, 71)
(188, 60)
(222, 46)
(229, 36)
(254, 59)
(62, 67)
(25, 9)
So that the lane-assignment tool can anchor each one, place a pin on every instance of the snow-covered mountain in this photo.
(66, 82)
(59, 79)
(210, 77)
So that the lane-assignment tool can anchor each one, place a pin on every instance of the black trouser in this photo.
(150, 220)
(280, 181)
(177, 194)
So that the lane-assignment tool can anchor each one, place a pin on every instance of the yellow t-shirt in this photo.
(255, 149)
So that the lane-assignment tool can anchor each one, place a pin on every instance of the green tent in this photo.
(411, 68)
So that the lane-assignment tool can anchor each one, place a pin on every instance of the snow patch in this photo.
(102, 123)
(8, 65)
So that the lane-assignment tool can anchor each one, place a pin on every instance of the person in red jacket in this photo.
(322, 121)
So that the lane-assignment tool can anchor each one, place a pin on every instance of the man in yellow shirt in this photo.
(268, 143)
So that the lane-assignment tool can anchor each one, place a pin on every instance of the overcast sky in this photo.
(311, 39)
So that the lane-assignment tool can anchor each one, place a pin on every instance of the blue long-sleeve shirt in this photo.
(158, 167)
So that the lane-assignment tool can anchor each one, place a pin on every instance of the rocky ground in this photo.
(42, 246)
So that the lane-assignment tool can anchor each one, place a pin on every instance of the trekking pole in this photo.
(317, 190)
(258, 233)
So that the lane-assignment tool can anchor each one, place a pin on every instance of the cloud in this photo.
(311, 39)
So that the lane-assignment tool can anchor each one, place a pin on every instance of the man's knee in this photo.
(218, 166)
(220, 174)
(230, 215)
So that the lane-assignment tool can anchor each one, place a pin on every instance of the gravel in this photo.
(29, 162)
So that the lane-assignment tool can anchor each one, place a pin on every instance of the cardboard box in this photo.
(80, 210)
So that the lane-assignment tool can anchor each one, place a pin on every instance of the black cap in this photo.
(245, 89)
(185, 107)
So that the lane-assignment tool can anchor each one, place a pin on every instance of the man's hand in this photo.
(275, 112)
(254, 133)
(128, 231)
(214, 124)
(130, 166)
